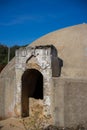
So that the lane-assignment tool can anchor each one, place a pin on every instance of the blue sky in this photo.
(23, 21)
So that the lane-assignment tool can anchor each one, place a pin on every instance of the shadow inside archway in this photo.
(32, 86)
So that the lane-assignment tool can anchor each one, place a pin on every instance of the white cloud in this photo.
(17, 20)
(21, 19)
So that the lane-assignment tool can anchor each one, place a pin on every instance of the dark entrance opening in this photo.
(32, 86)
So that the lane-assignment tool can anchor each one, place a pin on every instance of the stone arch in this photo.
(32, 86)
(31, 63)
(43, 59)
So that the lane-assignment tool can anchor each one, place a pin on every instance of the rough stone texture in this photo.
(64, 97)
(42, 57)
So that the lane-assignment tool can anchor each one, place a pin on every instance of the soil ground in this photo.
(36, 120)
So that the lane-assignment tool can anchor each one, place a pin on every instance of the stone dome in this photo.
(71, 44)
(67, 93)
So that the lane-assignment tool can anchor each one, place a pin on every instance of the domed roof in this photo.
(71, 44)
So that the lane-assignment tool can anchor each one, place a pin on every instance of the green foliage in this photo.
(4, 53)
(12, 51)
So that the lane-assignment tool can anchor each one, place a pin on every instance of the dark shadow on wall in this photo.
(57, 64)
(60, 61)
(32, 86)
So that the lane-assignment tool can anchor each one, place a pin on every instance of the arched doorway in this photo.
(32, 86)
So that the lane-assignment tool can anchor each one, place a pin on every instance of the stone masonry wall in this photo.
(40, 58)
(70, 101)
(7, 94)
